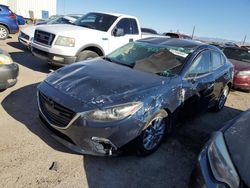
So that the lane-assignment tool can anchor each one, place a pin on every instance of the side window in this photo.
(125, 25)
(216, 60)
(201, 65)
(134, 27)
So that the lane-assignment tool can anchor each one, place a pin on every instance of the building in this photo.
(38, 9)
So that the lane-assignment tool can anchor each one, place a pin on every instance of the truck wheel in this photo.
(86, 54)
(152, 137)
(4, 32)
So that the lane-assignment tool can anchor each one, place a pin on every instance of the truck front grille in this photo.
(43, 37)
(55, 113)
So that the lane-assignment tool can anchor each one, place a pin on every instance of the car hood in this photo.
(101, 83)
(65, 29)
(240, 65)
(238, 141)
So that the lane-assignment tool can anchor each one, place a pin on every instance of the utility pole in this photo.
(193, 32)
(244, 40)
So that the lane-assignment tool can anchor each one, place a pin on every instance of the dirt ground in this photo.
(27, 152)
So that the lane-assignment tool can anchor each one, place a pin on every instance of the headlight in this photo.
(65, 41)
(5, 60)
(113, 113)
(220, 162)
(244, 73)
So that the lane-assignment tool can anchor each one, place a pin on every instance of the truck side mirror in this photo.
(118, 32)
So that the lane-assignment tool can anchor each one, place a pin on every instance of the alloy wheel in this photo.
(154, 133)
(3, 33)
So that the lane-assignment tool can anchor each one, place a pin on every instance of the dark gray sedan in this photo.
(137, 93)
(8, 71)
(224, 161)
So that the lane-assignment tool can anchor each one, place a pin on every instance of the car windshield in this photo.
(59, 20)
(161, 60)
(96, 21)
(237, 54)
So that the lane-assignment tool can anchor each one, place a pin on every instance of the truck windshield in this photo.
(97, 21)
(161, 60)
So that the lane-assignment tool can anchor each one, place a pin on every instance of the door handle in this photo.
(131, 40)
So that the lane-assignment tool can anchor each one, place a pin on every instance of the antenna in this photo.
(244, 40)
(193, 32)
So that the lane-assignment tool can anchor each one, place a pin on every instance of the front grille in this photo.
(43, 37)
(56, 132)
(55, 113)
(23, 35)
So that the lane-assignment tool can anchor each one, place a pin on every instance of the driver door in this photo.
(198, 84)
(125, 31)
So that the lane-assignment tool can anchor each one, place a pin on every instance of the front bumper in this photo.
(89, 137)
(24, 41)
(202, 176)
(242, 82)
(55, 59)
(8, 75)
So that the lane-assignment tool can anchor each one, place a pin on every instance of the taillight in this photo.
(12, 15)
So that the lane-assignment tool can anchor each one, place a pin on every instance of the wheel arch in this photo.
(92, 47)
(5, 25)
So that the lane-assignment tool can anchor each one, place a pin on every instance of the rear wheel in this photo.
(152, 137)
(222, 100)
(86, 54)
(4, 32)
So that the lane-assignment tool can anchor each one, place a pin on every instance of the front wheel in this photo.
(151, 138)
(86, 54)
(222, 100)
(4, 32)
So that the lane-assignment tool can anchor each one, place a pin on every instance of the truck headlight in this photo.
(221, 163)
(65, 41)
(113, 113)
(5, 60)
(244, 73)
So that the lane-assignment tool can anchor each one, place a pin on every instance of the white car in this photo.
(26, 34)
(95, 34)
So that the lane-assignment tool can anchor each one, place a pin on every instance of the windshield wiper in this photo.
(88, 26)
(112, 61)
(108, 59)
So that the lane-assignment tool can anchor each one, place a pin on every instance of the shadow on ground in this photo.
(26, 59)
(170, 166)
(21, 105)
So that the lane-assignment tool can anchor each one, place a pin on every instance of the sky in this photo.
(226, 19)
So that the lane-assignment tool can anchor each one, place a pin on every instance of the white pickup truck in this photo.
(95, 34)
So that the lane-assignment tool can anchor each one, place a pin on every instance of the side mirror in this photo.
(191, 78)
(118, 32)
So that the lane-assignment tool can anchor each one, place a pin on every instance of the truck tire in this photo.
(86, 54)
(4, 32)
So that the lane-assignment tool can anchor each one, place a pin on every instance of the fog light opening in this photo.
(103, 145)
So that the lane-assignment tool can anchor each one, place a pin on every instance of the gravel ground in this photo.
(30, 158)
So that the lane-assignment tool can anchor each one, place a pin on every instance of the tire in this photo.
(151, 138)
(222, 100)
(86, 54)
(4, 32)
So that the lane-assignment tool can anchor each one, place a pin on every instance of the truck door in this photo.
(126, 30)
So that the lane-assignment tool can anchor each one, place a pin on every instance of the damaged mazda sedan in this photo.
(137, 93)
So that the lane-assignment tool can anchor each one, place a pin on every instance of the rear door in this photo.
(198, 84)
(221, 74)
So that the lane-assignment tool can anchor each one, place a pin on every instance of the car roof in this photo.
(173, 42)
(114, 14)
